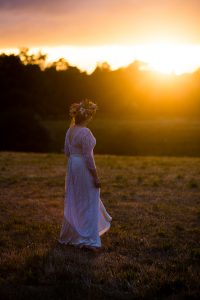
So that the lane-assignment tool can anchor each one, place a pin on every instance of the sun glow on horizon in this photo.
(161, 57)
(171, 58)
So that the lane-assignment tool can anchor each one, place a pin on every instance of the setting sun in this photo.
(170, 58)
(160, 57)
(162, 34)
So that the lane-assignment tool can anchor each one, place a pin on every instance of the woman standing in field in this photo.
(85, 217)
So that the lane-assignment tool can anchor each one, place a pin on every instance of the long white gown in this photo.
(85, 217)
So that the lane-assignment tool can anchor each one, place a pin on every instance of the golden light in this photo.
(171, 58)
(161, 57)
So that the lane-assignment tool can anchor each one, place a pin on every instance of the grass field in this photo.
(151, 251)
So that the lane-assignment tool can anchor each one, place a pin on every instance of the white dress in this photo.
(85, 217)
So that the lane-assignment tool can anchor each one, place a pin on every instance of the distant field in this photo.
(171, 137)
(151, 251)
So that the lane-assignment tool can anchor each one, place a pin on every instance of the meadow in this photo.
(151, 251)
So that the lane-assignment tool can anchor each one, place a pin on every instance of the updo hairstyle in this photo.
(80, 112)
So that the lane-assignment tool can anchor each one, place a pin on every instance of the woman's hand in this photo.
(97, 182)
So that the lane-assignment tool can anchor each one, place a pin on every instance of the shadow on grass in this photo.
(63, 272)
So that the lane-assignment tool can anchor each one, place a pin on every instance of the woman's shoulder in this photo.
(88, 135)
(86, 131)
(83, 131)
(67, 132)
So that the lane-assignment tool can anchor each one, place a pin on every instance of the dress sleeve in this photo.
(66, 147)
(88, 143)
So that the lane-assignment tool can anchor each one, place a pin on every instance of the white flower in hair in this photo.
(82, 110)
(93, 105)
(85, 107)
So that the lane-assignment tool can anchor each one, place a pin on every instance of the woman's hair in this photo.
(79, 118)
(80, 112)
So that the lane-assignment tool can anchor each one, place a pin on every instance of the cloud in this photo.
(93, 5)
(38, 5)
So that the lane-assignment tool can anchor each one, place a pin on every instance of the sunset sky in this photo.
(164, 33)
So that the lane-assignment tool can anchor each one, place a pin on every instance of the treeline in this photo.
(31, 91)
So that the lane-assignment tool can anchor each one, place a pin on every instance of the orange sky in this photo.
(89, 23)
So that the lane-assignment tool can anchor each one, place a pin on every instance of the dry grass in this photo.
(151, 250)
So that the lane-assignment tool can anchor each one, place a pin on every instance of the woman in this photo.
(85, 217)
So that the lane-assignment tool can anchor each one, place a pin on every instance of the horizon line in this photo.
(184, 58)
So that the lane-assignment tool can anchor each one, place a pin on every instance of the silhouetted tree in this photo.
(32, 59)
(132, 91)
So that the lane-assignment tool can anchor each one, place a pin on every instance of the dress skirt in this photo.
(85, 217)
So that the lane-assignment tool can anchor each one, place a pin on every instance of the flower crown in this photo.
(87, 108)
